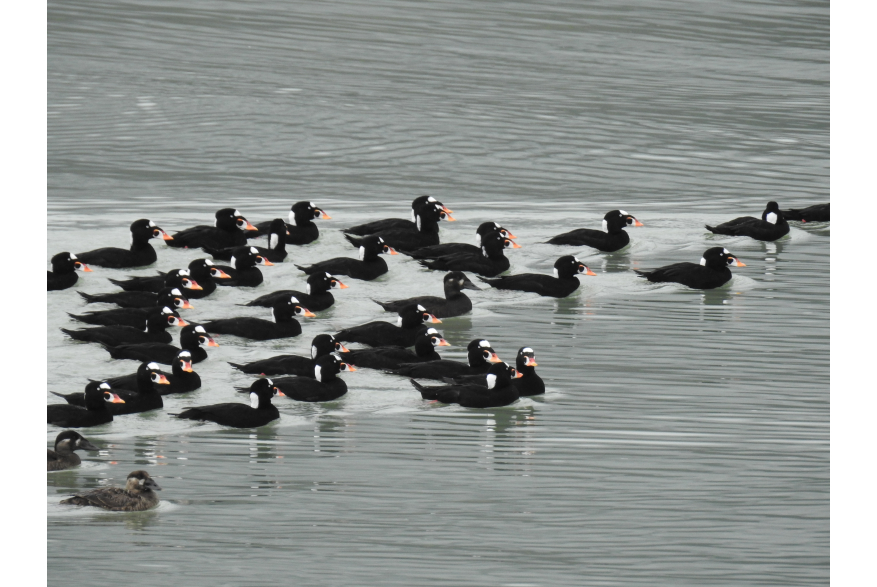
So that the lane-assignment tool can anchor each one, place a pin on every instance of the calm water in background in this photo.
(684, 436)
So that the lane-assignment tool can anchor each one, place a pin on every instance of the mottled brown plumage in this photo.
(138, 495)
(63, 456)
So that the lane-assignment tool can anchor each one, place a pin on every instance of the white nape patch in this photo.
(417, 221)
(200, 329)
(254, 400)
(131, 240)
(484, 251)
(234, 262)
(318, 373)
(703, 261)
(483, 344)
(399, 321)
(605, 226)
(72, 256)
(362, 253)
(176, 292)
(623, 213)
(273, 315)
(183, 272)
(313, 352)
(236, 213)
(216, 222)
(292, 218)
(771, 217)
(491, 381)
(413, 216)
(104, 385)
(254, 250)
(556, 273)
(273, 241)
(151, 224)
(527, 350)
(309, 289)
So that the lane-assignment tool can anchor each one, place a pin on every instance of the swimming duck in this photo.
(141, 252)
(385, 334)
(489, 262)
(397, 223)
(529, 383)
(142, 398)
(612, 238)
(171, 297)
(301, 229)
(284, 326)
(64, 457)
(192, 338)
(480, 355)
(95, 412)
(499, 390)
(814, 213)
(276, 251)
(324, 386)
(138, 495)
(369, 265)
(181, 379)
(710, 273)
(260, 411)
(562, 284)
(769, 227)
(156, 325)
(455, 302)
(317, 298)
(176, 278)
(244, 271)
(425, 231)
(63, 273)
(228, 230)
(134, 317)
(322, 345)
(391, 357)
(444, 249)
(201, 270)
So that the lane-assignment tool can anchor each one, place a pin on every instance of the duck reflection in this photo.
(507, 439)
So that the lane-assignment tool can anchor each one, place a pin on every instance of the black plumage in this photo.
(301, 229)
(814, 213)
(139, 254)
(259, 412)
(369, 265)
(489, 262)
(324, 386)
(396, 223)
(423, 233)
(275, 252)
(284, 325)
(612, 238)
(480, 355)
(498, 391)
(192, 338)
(561, 284)
(95, 412)
(244, 271)
(155, 331)
(771, 226)
(385, 334)
(455, 302)
(229, 230)
(63, 274)
(316, 299)
(322, 345)
(391, 357)
(444, 249)
(711, 273)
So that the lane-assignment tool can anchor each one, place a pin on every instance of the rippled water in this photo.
(684, 435)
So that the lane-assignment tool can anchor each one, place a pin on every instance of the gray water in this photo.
(684, 436)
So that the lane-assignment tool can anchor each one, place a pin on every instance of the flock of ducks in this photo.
(148, 306)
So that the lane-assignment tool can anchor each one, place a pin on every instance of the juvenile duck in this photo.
(710, 273)
(64, 457)
(455, 302)
(284, 326)
(192, 338)
(391, 357)
(562, 284)
(63, 273)
(276, 251)
(610, 239)
(499, 390)
(769, 227)
(141, 252)
(396, 223)
(228, 230)
(317, 298)
(138, 495)
(301, 229)
(385, 334)
(97, 396)
(322, 345)
(260, 411)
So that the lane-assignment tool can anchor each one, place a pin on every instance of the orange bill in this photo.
(162, 380)
(307, 313)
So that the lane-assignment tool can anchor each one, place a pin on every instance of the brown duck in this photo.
(63, 456)
(138, 495)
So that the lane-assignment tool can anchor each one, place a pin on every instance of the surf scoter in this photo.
(260, 411)
(192, 338)
(612, 238)
(284, 326)
(137, 495)
(63, 273)
(134, 317)
(386, 334)
(228, 230)
(322, 345)
(276, 251)
(529, 383)
(711, 273)
(64, 457)
(369, 265)
(562, 284)
(141, 252)
(142, 398)
(201, 270)
(455, 302)
(171, 297)
(436, 251)
(244, 271)
(391, 357)
(156, 325)
(498, 392)
(301, 229)
(480, 356)
(424, 232)
(324, 386)
(396, 223)
(814, 213)
(317, 298)
(181, 379)
(95, 412)
(769, 227)
(176, 278)
(489, 262)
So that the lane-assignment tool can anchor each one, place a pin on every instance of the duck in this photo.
(229, 230)
(612, 238)
(480, 356)
(455, 302)
(391, 357)
(181, 379)
(560, 285)
(244, 271)
(324, 386)
(814, 213)
(769, 227)
(396, 223)
(385, 334)
(137, 495)
(301, 229)
(369, 265)
(192, 338)
(95, 412)
(711, 273)
(64, 455)
(171, 297)
(321, 345)
(156, 325)
(259, 413)
(133, 317)
(140, 254)
(489, 262)
(201, 270)
(316, 299)
(529, 383)
(142, 398)
(63, 273)
(424, 232)
(499, 390)
(275, 252)
(436, 251)
(284, 326)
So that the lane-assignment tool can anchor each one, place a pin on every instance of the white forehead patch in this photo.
(254, 399)
(527, 350)
(726, 251)
(176, 292)
(104, 385)
(236, 213)
(208, 262)
(167, 310)
(623, 213)
(185, 354)
(421, 308)
(703, 261)
(72, 256)
(431, 200)
(254, 250)
(431, 331)
(200, 329)
(151, 224)
(294, 300)
(318, 373)
(576, 259)
(483, 344)
(312, 205)
(153, 366)
(771, 217)
(491, 381)
(184, 272)
(271, 383)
